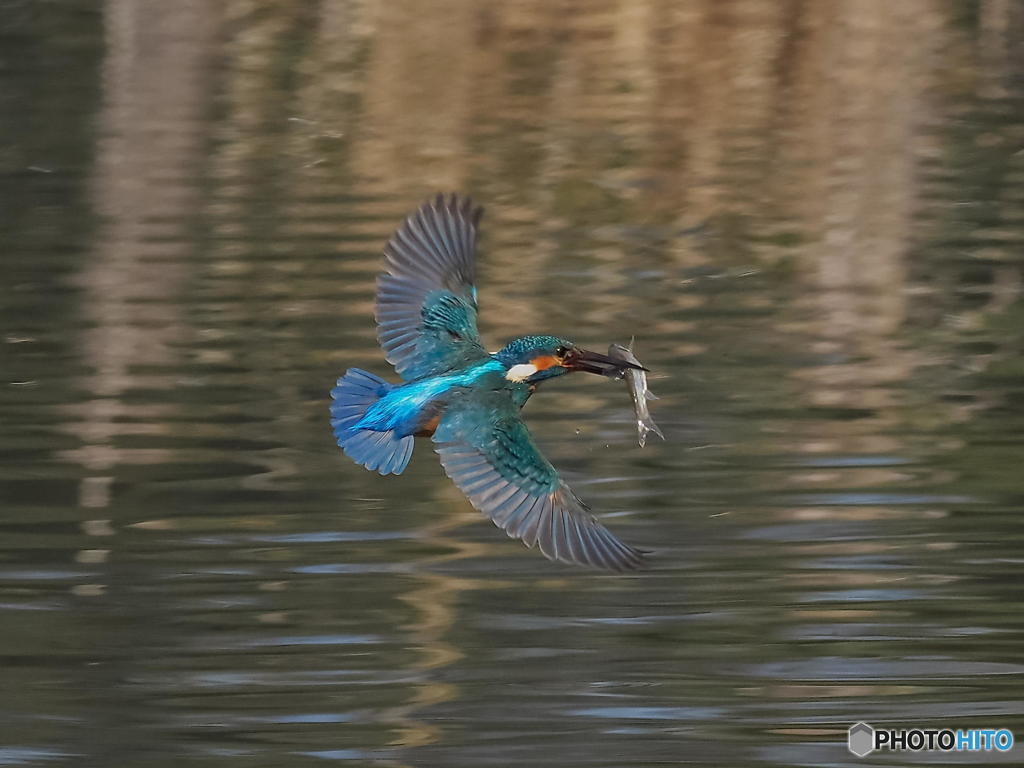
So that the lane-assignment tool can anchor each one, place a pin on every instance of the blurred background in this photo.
(810, 215)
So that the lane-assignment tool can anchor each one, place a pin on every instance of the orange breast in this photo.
(429, 426)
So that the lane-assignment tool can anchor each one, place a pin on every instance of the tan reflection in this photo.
(850, 145)
(155, 88)
(144, 187)
(863, 117)
(434, 601)
(418, 97)
(690, 91)
(996, 19)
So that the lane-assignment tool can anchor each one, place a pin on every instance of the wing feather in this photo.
(426, 300)
(487, 451)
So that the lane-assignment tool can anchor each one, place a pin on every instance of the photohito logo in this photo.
(862, 739)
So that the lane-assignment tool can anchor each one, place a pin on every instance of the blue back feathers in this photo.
(374, 421)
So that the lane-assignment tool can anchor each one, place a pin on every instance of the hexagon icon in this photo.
(860, 739)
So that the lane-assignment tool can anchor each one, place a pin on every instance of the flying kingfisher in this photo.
(464, 397)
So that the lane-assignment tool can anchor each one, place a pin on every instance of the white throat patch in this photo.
(521, 372)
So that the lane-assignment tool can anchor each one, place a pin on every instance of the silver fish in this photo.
(636, 380)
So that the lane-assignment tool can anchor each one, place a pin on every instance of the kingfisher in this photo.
(465, 398)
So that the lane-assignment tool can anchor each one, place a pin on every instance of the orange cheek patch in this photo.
(544, 362)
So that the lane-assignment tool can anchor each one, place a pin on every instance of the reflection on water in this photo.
(810, 215)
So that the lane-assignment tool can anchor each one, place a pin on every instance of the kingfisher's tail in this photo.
(385, 452)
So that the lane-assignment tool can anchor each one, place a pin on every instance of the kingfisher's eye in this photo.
(562, 351)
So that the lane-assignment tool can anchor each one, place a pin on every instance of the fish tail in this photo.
(383, 451)
(650, 426)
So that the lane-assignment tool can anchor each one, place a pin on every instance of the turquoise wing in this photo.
(426, 301)
(487, 451)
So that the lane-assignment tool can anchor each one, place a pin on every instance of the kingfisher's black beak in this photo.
(595, 362)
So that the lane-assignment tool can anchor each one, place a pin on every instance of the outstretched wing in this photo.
(426, 302)
(487, 451)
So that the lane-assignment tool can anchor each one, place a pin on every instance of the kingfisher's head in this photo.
(533, 359)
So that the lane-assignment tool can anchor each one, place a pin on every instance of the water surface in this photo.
(810, 215)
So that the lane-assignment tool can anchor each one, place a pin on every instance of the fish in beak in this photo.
(636, 382)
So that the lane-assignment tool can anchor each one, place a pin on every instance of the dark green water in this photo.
(810, 215)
